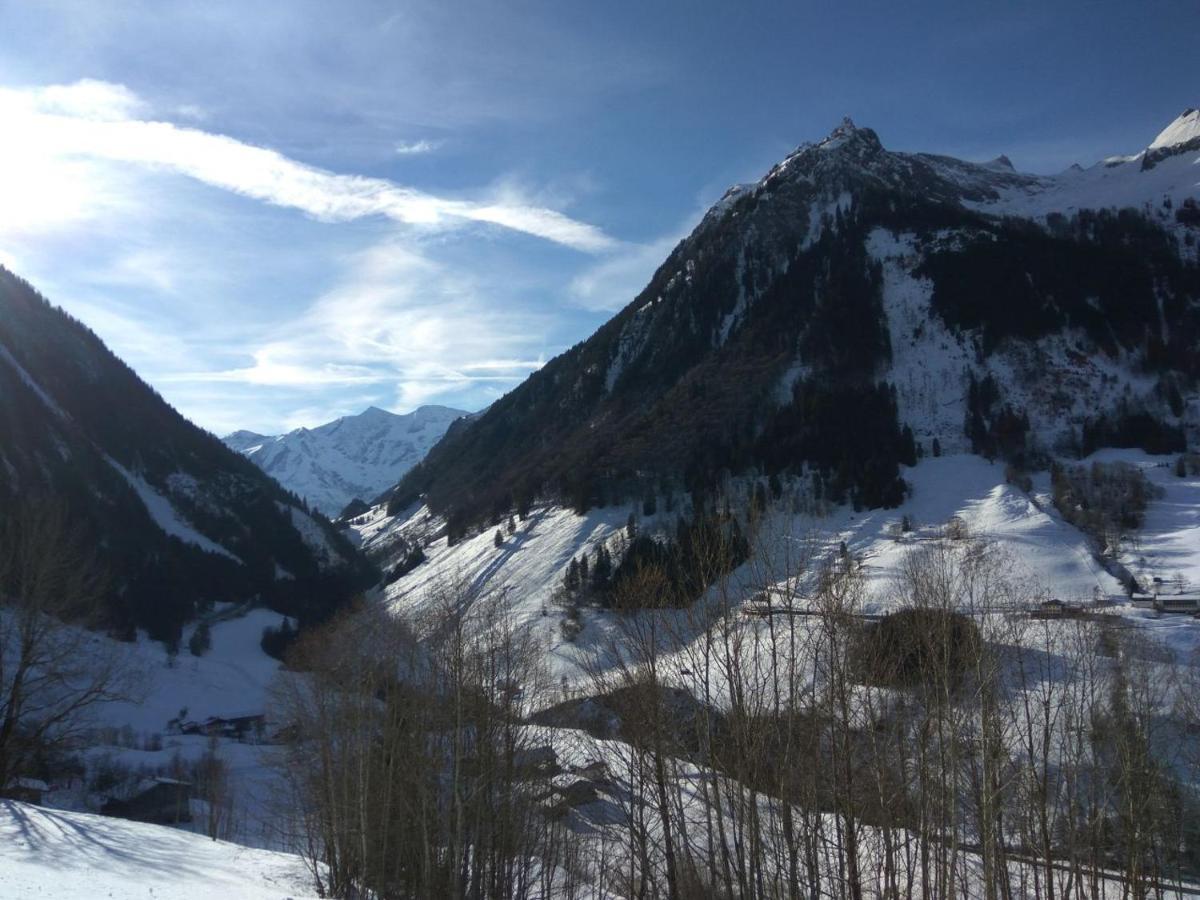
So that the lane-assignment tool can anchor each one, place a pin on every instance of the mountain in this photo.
(855, 305)
(178, 520)
(354, 457)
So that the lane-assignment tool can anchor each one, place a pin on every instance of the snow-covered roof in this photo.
(28, 784)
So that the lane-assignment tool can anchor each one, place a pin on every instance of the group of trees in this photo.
(410, 771)
(1106, 501)
(54, 673)
(958, 748)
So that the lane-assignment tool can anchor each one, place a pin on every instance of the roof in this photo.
(28, 784)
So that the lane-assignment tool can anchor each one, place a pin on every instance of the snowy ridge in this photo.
(1183, 130)
(352, 457)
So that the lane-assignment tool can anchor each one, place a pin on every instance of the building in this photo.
(1142, 601)
(1178, 603)
(27, 790)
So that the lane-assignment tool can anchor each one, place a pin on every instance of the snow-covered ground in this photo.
(528, 569)
(61, 855)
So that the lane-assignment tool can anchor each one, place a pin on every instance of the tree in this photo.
(54, 673)
(201, 640)
(498, 539)
(937, 447)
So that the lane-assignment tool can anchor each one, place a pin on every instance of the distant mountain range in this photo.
(354, 457)
(177, 520)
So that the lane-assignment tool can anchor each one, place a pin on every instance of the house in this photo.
(27, 790)
(162, 801)
(1178, 603)
(1142, 601)
(1057, 609)
(243, 727)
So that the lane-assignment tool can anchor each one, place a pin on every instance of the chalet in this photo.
(1178, 603)
(1057, 609)
(27, 790)
(162, 801)
(242, 727)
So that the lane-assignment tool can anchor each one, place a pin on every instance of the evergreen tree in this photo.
(498, 540)
(571, 579)
(937, 447)
(200, 641)
(631, 527)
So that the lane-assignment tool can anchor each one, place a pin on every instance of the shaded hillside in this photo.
(178, 520)
(766, 340)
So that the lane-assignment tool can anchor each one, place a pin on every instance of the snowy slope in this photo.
(529, 568)
(355, 456)
(62, 855)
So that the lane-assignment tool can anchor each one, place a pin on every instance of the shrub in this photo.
(916, 646)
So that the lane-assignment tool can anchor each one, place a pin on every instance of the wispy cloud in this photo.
(94, 120)
(397, 319)
(416, 148)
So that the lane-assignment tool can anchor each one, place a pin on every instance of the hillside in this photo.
(61, 855)
(856, 304)
(351, 458)
(178, 521)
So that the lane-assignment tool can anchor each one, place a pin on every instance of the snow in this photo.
(313, 535)
(928, 360)
(1112, 184)
(31, 384)
(166, 516)
(352, 457)
(1042, 548)
(1183, 129)
(61, 855)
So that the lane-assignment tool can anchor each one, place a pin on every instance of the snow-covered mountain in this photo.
(177, 520)
(850, 308)
(354, 457)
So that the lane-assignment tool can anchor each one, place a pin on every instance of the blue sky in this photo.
(279, 213)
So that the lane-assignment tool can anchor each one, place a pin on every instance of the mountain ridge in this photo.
(178, 521)
(778, 314)
(352, 457)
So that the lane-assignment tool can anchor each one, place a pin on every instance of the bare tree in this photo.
(54, 673)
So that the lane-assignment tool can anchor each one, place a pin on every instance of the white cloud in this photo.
(612, 283)
(397, 319)
(416, 148)
(93, 120)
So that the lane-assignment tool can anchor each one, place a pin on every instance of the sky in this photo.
(280, 213)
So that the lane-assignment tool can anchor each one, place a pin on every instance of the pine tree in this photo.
(200, 641)
(583, 570)
(571, 579)
(498, 540)
(937, 447)
(602, 570)
(631, 527)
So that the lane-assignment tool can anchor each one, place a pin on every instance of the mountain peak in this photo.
(847, 134)
(1185, 129)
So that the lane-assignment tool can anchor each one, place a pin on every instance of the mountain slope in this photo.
(178, 521)
(354, 457)
(855, 304)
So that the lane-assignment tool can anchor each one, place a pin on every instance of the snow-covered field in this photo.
(61, 855)
(529, 567)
